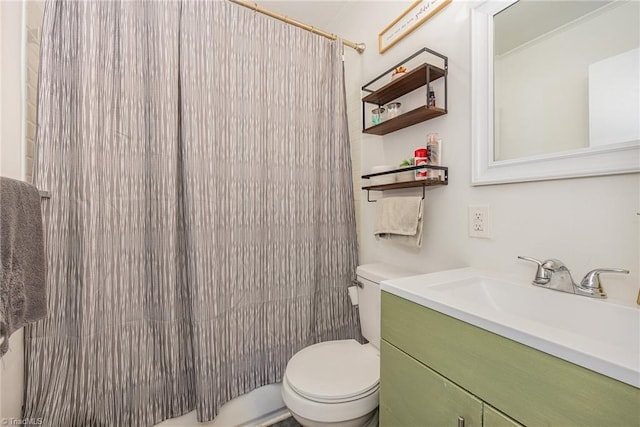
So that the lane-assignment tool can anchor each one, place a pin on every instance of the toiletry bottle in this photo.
(434, 147)
(421, 158)
(432, 99)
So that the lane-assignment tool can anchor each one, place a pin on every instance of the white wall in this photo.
(34, 12)
(11, 156)
(11, 165)
(586, 222)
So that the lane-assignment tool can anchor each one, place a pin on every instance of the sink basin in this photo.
(597, 334)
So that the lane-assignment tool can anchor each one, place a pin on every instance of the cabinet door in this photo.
(413, 395)
(493, 418)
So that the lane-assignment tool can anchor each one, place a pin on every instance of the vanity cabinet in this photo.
(492, 418)
(430, 360)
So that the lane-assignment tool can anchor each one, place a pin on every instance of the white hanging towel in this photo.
(399, 219)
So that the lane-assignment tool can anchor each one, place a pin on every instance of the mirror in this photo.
(555, 89)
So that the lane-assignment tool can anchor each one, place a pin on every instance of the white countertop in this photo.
(596, 334)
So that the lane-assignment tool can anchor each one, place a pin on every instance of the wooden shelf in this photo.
(407, 119)
(411, 81)
(407, 169)
(407, 184)
(418, 183)
(414, 79)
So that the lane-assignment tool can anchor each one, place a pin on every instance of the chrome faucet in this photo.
(553, 274)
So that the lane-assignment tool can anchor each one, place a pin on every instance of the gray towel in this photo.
(399, 219)
(22, 268)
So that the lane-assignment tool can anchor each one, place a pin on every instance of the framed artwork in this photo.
(409, 20)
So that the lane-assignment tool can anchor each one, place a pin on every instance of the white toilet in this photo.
(336, 383)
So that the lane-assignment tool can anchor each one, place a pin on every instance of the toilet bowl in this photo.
(336, 383)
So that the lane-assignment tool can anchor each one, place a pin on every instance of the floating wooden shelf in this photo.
(420, 76)
(407, 119)
(413, 80)
(406, 184)
(408, 169)
(418, 183)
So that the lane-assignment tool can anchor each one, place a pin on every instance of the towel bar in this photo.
(373, 201)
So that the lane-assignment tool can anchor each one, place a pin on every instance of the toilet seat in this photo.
(333, 381)
(334, 371)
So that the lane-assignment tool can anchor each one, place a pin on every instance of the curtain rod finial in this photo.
(360, 47)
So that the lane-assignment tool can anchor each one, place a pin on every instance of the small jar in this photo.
(377, 115)
(393, 110)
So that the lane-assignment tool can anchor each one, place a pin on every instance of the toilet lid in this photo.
(334, 371)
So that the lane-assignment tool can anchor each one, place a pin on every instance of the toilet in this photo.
(336, 383)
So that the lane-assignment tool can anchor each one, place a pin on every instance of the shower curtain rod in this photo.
(359, 47)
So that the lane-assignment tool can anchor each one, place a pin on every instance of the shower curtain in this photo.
(201, 225)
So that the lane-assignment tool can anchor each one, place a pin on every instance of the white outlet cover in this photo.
(479, 221)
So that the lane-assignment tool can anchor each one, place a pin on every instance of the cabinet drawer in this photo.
(413, 395)
(530, 386)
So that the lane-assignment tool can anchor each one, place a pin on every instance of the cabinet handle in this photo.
(460, 422)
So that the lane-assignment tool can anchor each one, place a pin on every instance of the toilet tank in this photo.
(370, 276)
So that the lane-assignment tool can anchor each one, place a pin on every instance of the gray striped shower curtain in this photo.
(201, 224)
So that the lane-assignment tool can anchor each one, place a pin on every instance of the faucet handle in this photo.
(526, 258)
(591, 284)
(543, 275)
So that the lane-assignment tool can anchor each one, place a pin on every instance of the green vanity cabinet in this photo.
(493, 418)
(424, 352)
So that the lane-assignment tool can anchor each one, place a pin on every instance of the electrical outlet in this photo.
(479, 221)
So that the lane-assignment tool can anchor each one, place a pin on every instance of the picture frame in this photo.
(415, 15)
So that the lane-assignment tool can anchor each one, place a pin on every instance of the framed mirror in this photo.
(555, 89)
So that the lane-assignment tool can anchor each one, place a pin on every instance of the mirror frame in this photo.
(616, 159)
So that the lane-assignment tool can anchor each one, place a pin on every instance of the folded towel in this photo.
(399, 219)
(22, 267)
